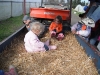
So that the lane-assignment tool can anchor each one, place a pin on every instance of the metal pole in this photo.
(29, 6)
(41, 2)
(70, 10)
(11, 8)
(24, 7)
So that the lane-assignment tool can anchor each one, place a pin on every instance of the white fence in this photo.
(11, 8)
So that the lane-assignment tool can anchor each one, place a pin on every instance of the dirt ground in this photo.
(68, 59)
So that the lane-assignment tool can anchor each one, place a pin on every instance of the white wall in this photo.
(17, 9)
(27, 7)
(6, 11)
(32, 5)
(5, 0)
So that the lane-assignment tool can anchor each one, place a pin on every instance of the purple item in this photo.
(99, 38)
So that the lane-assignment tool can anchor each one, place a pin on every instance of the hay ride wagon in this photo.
(46, 16)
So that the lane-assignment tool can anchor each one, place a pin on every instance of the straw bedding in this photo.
(69, 58)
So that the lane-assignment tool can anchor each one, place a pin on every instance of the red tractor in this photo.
(49, 12)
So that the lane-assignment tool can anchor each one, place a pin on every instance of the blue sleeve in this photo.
(46, 47)
(1, 72)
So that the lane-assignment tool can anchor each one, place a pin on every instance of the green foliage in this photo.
(76, 2)
(77, 13)
(83, 3)
(9, 26)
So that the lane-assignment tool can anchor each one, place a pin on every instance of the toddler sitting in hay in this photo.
(56, 28)
(32, 43)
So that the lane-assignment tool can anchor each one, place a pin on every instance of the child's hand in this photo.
(61, 35)
(52, 47)
(53, 32)
(28, 21)
(74, 31)
(28, 26)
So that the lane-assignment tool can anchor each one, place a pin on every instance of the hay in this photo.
(69, 58)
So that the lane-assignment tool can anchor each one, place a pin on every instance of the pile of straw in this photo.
(69, 58)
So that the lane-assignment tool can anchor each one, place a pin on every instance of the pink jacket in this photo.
(32, 43)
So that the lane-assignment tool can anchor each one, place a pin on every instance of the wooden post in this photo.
(11, 8)
(41, 2)
(24, 7)
(70, 10)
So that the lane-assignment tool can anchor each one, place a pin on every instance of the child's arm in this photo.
(84, 32)
(37, 44)
(52, 27)
(74, 27)
(59, 28)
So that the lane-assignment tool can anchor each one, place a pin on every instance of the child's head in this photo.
(37, 28)
(58, 19)
(82, 15)
(26, 20)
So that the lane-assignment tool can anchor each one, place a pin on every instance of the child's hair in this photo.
(37, 26)
(25, 18)
(81, 15)
(59, 18)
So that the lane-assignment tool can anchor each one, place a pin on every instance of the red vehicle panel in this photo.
(49, 13)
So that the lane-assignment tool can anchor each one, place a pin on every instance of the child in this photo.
(82, 30)
(12, 71)
(32, 43)
(56, 28)
(26, 21)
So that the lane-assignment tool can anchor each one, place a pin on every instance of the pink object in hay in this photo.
(99, 38)
(60, 36)
(12, 71)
